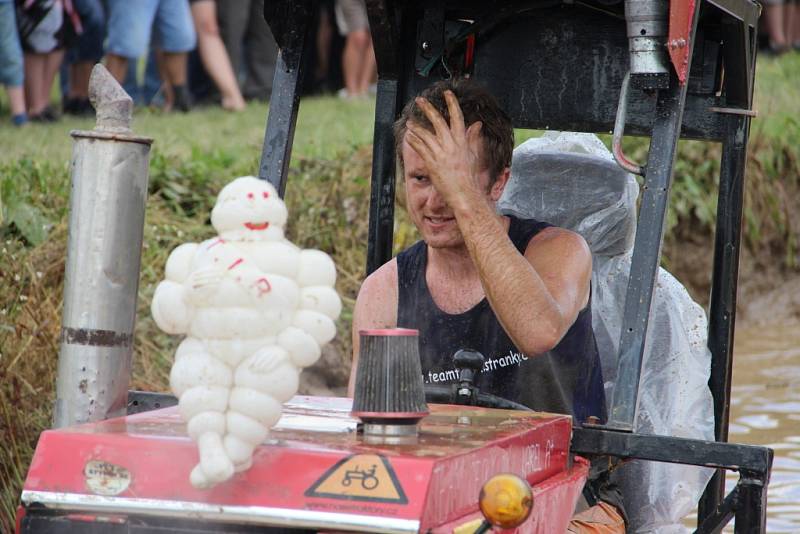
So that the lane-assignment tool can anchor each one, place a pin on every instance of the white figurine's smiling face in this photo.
(248, 209)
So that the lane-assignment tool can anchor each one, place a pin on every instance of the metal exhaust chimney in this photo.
(106, 222)
(647, 22)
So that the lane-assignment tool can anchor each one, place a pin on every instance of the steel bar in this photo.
(744, 10)
(296, 40)
(647, 250)
(722, 514)
(106, 222)
(722, 310)
(381, 206)
(383, 25)
(735, 111)
(751, 516)
(596, 441)
(738, 52)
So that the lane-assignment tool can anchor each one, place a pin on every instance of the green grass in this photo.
(325, 128)
(195, 154)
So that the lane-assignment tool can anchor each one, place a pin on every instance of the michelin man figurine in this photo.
(255, 310)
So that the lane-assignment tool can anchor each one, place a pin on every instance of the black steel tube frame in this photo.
(647, 246)
(294, 41)
(739, 35)
(384, 21)
(722, 315)
(747, 502)
(381, 205)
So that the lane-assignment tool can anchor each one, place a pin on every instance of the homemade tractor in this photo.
(654, 68)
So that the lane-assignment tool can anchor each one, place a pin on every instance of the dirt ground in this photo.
(767, 292)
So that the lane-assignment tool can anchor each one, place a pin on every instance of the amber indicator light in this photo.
(506, 500)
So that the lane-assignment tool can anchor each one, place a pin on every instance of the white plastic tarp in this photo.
(571, 180)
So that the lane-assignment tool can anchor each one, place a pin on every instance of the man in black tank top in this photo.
(516, 290)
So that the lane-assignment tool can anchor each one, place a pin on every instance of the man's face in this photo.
(430, 213)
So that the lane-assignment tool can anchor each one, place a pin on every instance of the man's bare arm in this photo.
(536, 297)
(376, 307)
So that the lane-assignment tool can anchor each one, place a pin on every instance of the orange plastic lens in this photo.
(506, 500)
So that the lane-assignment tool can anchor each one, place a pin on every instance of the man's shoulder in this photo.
(376, 304)
(561, 238)
(384, 277)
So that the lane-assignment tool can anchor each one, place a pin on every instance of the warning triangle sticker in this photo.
(361, 477)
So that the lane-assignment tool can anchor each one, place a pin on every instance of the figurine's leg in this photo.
(262, 382)
(202, 384)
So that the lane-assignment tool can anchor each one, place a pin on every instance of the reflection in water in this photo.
(765, 410)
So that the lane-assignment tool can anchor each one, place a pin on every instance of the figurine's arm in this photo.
(170, 309)
(179, 263)
(315, 269)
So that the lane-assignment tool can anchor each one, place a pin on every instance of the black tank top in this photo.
(565, 380)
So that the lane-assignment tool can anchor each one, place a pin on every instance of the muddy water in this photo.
(765, 410)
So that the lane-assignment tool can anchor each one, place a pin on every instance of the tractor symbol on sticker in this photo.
(368, 479)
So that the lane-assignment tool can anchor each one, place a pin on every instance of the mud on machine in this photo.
(652, 68)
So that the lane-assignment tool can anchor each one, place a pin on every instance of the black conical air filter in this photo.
(389, 378)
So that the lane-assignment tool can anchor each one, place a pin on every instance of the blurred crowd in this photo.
(172, 54)
(175, 54)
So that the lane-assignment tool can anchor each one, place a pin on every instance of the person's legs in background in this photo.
(213, 54)
(775, 19)
(232, 16)
(82, 57)
(129, 28)
(260, 54)
(40, 72)
(792, 26)
(131, 83)
(11, 64)
(176, 37)
(324, 42)
(358, 59)
(369, 69)
(41, 30)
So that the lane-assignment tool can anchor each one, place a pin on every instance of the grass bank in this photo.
(195, 154)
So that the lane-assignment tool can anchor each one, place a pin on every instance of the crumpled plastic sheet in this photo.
(571, 180)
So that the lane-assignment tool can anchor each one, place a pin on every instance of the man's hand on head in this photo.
(451, 153)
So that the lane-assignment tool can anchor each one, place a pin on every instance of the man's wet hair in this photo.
(477, 104)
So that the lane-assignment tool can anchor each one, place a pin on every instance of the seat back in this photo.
(570, 180)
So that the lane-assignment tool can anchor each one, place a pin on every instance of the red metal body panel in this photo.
(681, 13)
(314, 460)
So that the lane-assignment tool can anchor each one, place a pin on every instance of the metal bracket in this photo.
(430, 38)
(734, 111)
(747, 501)
(722, 515)
(145, 401)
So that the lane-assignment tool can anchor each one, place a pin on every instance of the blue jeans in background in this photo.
(12, 72)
